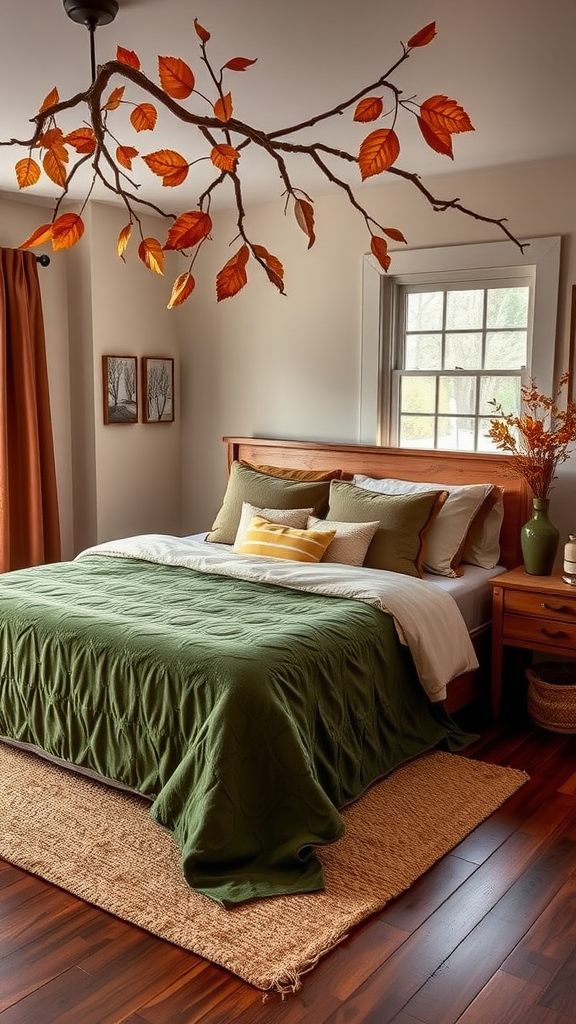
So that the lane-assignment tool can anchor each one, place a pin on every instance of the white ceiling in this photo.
(509, 63)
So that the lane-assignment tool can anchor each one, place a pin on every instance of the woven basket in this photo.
(552, 695)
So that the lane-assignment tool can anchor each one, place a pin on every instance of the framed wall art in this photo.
(120, 389)
(157, 389)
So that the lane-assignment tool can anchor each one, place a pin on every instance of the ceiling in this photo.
(509, 63)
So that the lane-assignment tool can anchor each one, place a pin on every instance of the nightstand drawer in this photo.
(542, 606)
(534, 631)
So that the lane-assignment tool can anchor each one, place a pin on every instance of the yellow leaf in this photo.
(223, 108)
(151, 253)
(27, 172)
(143, 118)
(66, 231)
(224, 157)
(123, 239)
(183, 287)
(38, 237)
(176, 77)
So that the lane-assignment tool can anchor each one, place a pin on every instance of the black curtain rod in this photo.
(43, 260)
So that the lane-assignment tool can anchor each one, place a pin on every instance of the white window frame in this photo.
(541, 257)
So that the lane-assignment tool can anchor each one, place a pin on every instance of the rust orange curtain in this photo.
(29, 522)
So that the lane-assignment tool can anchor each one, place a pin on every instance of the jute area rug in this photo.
(102, 845)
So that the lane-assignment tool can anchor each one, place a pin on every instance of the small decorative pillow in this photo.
(263, 491)
(295, 517)
(271, 540)
(403, 523)
(448, 534)
(351, 542)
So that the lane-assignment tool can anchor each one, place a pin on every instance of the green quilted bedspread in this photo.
(248, 713)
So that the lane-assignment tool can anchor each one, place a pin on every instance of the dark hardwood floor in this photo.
(487, 936)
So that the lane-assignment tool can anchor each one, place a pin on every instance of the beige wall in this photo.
(289, 366)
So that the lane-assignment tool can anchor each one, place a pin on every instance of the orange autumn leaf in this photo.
(143, 118)
(272, 265)
(152, 255)
(424, 36)
(168, 165)
(395, 234)
(239, 63)
(123, 239)
(176, 77)
(183, 287)
(369, 109)
(125, 156)
(52, 98)
(379, 248)
(188, 230)
(54, 139)
(223, 107)
(38, 237)
(202, 33)
(378, 151)
(224, 157)
(82, 140)
(440, 112)
(67, 230)
(437, 138)
(232, 278)
(128, 57)
(27, 172)
(304, 213)
(55, 168)
(114, 99)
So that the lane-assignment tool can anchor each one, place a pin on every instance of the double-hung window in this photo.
(449, 331)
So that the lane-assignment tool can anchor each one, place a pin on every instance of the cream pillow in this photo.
(483, 543)
(447, 536)
(351, 542)
(271, 540)
(296, 517)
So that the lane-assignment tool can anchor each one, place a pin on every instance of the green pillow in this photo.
(398, 544)
(265, 491)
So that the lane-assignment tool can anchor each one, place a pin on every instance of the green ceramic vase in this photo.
(539, 540)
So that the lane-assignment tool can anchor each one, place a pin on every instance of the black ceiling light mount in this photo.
(93, 15)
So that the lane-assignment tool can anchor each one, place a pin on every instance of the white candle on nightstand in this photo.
(569, 575)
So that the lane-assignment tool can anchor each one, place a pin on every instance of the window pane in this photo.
(424, 311)
(457, 395)
(506, 350)
(463, 352)
(505, 391)
(423, 352)
(456, 432)
(418, 394)
(485, 444)
(417, 432)
(464, 309)
(507, 307)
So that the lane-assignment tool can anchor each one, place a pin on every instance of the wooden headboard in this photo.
(402, 464)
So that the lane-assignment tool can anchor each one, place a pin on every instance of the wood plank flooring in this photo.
(487, 936)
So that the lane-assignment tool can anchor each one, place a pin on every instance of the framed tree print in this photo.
(120, 389)
(157, 389)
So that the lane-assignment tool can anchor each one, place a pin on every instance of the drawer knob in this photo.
(554, 607)
(552, 632)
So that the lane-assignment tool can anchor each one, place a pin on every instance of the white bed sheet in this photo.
(471, 591)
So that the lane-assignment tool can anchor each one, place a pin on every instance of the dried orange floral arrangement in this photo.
(60, 155)
(539, 438)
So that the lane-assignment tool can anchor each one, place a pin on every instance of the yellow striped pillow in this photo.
(272, 540)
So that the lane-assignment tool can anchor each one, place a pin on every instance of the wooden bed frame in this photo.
(416, 465)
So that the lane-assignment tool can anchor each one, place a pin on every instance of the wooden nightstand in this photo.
(537, 613)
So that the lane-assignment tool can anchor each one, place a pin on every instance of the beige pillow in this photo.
(296, 517)
(272, 540)
(351, 542)
(482, 545)
(447, 537)
(398, 544)
(263, 491)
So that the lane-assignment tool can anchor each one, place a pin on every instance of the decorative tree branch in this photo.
(438, 117)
